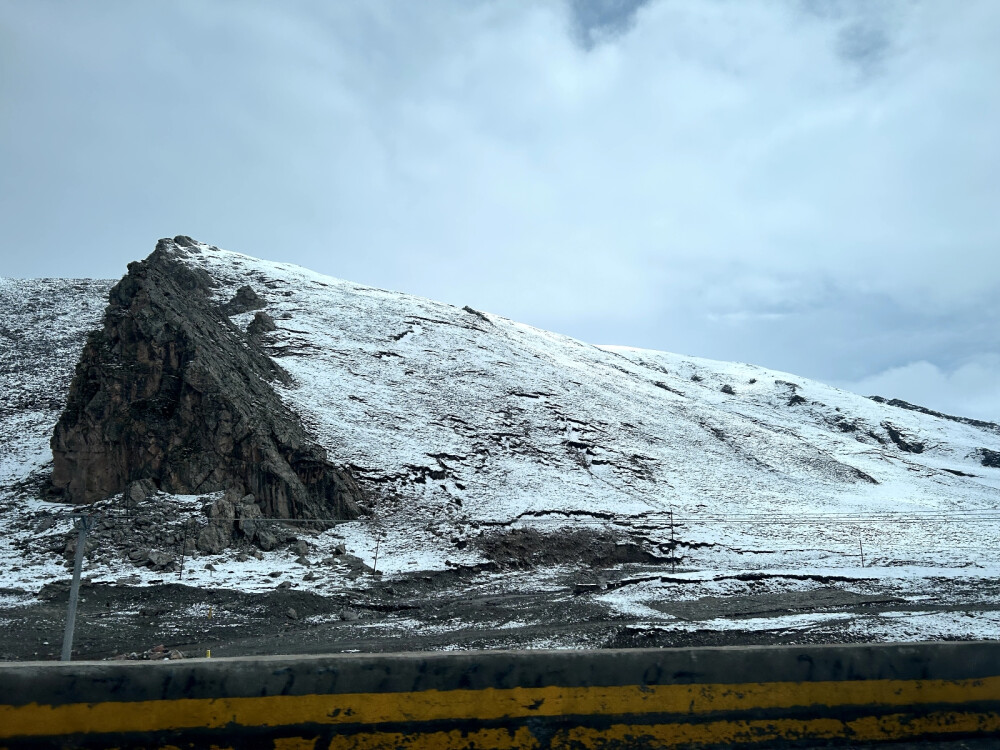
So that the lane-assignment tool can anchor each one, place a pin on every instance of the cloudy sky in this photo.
(810, 186)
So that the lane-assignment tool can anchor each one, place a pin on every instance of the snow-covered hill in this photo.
(461, 425)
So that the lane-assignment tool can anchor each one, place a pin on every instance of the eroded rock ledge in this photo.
(170, 390)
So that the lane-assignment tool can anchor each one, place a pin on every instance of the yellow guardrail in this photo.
(528, 699)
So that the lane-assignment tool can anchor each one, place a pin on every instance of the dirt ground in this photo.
(452, 610)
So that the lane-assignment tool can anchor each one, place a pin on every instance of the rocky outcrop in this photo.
(907, 446)
(900, 404)
(172, 392)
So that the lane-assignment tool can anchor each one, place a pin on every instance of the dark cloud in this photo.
(601, 20)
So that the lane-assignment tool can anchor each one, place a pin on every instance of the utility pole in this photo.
(82, 524)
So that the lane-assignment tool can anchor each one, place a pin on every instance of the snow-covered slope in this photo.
(43, 324)
(458, 421)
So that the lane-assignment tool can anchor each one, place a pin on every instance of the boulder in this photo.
(262, 323)
(159, 560)
(245, 300)
(213, 539)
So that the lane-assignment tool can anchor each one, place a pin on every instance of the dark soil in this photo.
(455, 609)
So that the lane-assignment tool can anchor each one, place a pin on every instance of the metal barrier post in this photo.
(82, 523)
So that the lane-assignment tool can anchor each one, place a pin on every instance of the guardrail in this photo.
(702, 697)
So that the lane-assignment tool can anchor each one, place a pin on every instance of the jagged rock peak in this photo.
(172, 391)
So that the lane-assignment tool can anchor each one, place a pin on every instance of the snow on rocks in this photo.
(459, 423)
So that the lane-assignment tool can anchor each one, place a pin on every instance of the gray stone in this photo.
(213, 539)
(140, 490)
(249, 520)
(267, 538)
(159, 559)
(171, 391)
(262, 323)
(245, 300)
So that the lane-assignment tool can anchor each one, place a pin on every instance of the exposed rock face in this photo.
(904, 445)
(171, 391)
(899, 403)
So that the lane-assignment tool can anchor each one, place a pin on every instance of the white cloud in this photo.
(971, 389)
(783, 182)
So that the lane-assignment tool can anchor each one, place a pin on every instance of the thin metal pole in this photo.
(673, 545)
(82, 522)
(861, 546)
(184, 542)
(378, 538)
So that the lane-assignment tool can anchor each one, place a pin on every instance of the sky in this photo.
(809, 186)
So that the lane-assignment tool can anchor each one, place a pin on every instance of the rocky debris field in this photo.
(449, 610)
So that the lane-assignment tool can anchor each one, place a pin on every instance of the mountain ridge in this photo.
(453, 421)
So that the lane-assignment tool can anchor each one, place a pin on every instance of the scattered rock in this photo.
(284, 585)
(904, 445)
(348, 615)
(245, 300)
(175, 654)
(302, 560)
(728, 389)
(300, 547)
(45, 524)
(990, 459)
(213, 539)
(275, 574)
(268, 538)
(292, 614)
(159, 560)
(140, 490)
(262, 323)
